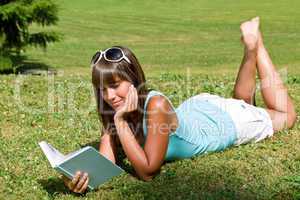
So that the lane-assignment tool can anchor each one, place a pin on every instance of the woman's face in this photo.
(115, 93)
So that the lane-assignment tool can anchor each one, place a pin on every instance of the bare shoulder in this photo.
(159, 102)
(160, 109)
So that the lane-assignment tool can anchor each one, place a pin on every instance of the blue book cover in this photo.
(99, 168)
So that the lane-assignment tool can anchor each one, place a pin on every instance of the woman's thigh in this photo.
(257, 126)
(279, 119)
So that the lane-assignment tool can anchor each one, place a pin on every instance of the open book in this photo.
(87, 159)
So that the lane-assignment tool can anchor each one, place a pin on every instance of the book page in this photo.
(53, 155)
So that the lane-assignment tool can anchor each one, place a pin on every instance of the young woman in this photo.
(150, 130)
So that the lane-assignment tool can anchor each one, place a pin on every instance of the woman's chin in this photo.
(116, 108)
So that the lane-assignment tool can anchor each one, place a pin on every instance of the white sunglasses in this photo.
(113, 54)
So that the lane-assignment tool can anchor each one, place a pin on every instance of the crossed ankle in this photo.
(251, 51)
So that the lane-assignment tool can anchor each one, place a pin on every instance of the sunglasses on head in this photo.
(113, 54)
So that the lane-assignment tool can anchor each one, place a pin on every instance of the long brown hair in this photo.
(105, 72)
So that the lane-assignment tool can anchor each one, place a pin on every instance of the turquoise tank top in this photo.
(202, 127)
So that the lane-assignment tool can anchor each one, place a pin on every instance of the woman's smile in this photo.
(117, 104)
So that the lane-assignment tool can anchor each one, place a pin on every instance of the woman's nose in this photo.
(111, 93)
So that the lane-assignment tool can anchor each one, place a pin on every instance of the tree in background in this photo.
(15, 18)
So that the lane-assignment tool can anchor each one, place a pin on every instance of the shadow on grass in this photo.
(182, 179)
(34, 68)
(23, 65)
(53, 186)
(189, 185)
(181, 183)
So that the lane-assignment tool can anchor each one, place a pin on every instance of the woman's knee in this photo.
(247, 95)
(239, 94)
(282, 120)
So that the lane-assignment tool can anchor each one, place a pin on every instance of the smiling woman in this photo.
(112, 79)
(150, 130)
(115, 94)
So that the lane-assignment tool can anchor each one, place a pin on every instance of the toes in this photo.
(255, 20)
(245, 24)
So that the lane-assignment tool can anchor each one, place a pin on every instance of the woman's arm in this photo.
(108, 147)
(148, 161)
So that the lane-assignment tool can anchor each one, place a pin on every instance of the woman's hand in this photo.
(79, 183)
(130, 104)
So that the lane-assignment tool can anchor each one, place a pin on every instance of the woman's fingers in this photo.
(136, 98)
(75, 180)
(81, 183)
(78, 184)
(133, 98)
(85, 185)
(128, 100)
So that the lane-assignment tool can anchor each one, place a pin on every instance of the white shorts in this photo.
(253, 124)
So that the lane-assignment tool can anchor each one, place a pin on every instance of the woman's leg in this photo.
(279, 105)
(245, 82)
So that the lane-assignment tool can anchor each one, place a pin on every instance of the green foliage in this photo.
(17, 16)
(15, 19)
(294, 181)
(5, 63)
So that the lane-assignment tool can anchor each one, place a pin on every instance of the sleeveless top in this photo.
(202, 127)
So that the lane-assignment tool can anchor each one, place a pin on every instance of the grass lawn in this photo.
(185, 48)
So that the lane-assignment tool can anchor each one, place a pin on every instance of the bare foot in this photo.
(250, 33)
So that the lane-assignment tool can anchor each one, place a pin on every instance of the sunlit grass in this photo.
(185, 48)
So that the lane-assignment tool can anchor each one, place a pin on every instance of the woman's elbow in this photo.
(149, 172)
(147, 177)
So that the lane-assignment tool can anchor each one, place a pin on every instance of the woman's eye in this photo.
(110, 86)
(115, 86)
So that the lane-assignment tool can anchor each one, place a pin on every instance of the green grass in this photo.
(171, 33)
(172, 39)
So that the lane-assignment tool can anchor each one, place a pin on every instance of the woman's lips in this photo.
(117, 104)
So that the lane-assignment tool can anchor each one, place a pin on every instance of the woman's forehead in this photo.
(104, 77)
(112, 80)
